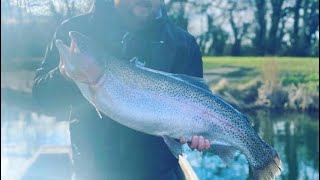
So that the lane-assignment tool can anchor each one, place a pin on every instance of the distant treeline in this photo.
(252, 27)
(222, 27)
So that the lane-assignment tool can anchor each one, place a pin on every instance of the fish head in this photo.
(80, 43)
(81, 58)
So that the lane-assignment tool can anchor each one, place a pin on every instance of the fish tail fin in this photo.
(270, 170)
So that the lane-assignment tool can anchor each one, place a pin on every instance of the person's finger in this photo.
(201, 143)
(195, 142)
(206, 144)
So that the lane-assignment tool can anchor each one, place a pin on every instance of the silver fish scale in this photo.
(162, 106)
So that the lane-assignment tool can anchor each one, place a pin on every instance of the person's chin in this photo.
(141, 13)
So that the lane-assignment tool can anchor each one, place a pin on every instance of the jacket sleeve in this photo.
(50, 89)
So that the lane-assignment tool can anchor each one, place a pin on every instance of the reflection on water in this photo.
(294, 135)
(22, 134)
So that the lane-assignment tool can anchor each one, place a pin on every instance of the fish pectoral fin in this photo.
(190, 80)
(174, 146)
(138, 62)
(225, 152)
(195, 81)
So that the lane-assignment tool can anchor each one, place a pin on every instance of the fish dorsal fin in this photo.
(199, 82)
(246, 118)
(194, 81)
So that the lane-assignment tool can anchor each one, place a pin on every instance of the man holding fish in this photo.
(126, 29)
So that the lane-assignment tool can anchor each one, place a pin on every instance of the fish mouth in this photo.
(79, 42)
(86, 46)
(63, 49)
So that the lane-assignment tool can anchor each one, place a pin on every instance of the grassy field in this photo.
(286, 64)
(290, 70)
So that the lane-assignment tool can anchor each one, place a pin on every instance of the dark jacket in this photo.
(102, 147)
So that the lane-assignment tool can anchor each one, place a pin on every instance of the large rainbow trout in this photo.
(164, 104)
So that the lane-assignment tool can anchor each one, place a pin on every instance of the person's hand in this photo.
(198, 142)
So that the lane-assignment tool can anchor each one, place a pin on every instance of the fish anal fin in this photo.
(174, 146)
(195, 81)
